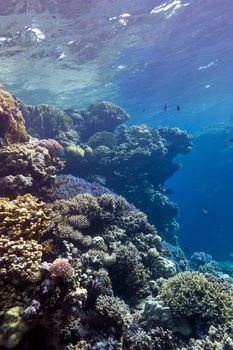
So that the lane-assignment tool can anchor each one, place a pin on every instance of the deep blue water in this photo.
(140, 55)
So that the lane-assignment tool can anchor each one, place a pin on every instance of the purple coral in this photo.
(68, 186)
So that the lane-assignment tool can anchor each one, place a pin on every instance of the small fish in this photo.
(162, 189)
(165, 108)
(205, 210)
(178, 108)
(144, 109)
(231, 140)
(47, 246)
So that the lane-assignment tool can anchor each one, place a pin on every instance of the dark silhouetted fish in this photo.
(205, 210)
(178, 108)
(231, 139)
(165, 108)
(144, 109)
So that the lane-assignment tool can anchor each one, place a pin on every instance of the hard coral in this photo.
(27, 168)
(20, 260)
(135, 162)
(61, 268)
(26, 217)
(44, 121)
(13, 328)
(12, 129)
(194, 294)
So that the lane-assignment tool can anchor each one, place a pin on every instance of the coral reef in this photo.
(193, 294)
(44, 121)
(135, 162)
(12, 128)
(218, 338)
(132, 161)
(26, 217)
(28, 168)
(82, 268)
(13, 328)
(68, 186)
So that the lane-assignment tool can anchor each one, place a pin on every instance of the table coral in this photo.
(12, 128)
(26, 217)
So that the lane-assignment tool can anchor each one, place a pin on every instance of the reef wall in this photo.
(83, 269)
(132, 161)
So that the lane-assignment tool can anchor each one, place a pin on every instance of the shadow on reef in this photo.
(133, 161)
(82, 269)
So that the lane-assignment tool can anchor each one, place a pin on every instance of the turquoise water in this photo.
(140, 55)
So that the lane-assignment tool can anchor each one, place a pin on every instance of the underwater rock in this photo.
(12, 125)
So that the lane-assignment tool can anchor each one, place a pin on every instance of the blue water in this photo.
(140, 55)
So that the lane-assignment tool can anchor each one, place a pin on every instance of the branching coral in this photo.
(12, 129)
(26, 217)
(194, 294)
(218, 338)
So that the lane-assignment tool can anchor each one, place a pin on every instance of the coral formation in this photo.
(28, 168)
(20, 260)
(135, 162)
(26, 217)
(44, 121)
(13, 328)
(12, 128)
(84, 269)
(193, 294)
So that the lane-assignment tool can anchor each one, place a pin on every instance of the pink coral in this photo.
(61, 268)
(52, 146)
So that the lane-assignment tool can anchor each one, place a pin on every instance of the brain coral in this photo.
(26, 217)
(194, 294)
(12, 129)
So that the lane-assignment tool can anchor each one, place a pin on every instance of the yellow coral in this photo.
(20, 260)
(75, 151)
(26, 216)
(12, 128)
(13, 328)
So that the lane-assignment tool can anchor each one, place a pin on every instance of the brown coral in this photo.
(12, 129)
(20, 261)
(27, 168)
(26, 217)
(194, 294)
